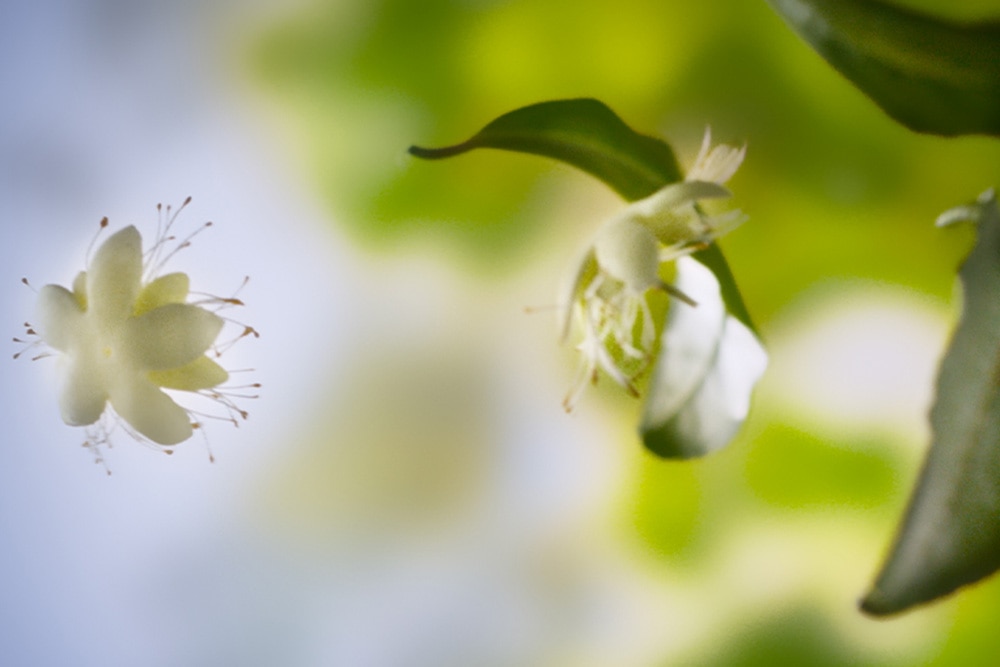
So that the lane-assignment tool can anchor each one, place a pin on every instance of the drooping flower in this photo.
(609, 286)
(123, 334)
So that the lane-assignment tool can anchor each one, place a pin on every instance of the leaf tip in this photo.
(876, 604)
(438, 153)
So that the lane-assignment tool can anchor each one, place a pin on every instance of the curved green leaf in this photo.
(951, 532)
(710, 357)
(581, 132)
(586, 134)
(929, 74)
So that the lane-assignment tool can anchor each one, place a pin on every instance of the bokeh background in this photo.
(407, 490)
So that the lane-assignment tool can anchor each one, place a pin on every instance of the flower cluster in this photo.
(609, 286)
(125, 332)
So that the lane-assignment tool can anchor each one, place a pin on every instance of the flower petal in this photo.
(80, 289)
(672, 196)
(584, 269)
(150, 411)
(171, 288)
(716, 164)
(202, 373)
(170, 336)
(114, 278)
(670, 212)
(58, 317)
(83, 396)
(628, 251)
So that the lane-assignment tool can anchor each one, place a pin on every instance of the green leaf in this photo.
(581, 132)
(586, 134)
(950, 535)
(929, 74)
(710, 357)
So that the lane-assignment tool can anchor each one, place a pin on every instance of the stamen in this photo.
(98, 436)
(221, 348)
(28, 344)
(204, 436)
(165, 219)
(156, 262)
(679, 295)
(93, 241)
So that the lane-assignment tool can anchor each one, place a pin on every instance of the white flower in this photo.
(608, 288)
(122, 337)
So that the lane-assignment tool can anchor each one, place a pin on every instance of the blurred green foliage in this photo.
(835, 191)
(799, 470)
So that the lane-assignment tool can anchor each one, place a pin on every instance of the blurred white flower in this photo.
(608, 288)
(123, 334)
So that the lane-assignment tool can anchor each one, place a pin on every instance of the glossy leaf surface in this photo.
(931, 75)
(950, 535)
(583, 133)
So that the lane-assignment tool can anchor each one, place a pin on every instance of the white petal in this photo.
(171, 288)
(170, 336)
(709, 363)
(706, 146)
(585, 267)
(716, 164)
(628, 251)
(83, 395)
(202, 373)
(150, 411)
(675, 195)
(114, 278)
(58, 317)
(80, 289)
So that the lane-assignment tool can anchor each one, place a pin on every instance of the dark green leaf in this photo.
(929, 74)
(581, 132)
(586, 134)
(950, 535)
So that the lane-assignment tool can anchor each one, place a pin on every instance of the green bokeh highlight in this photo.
(835, 190)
